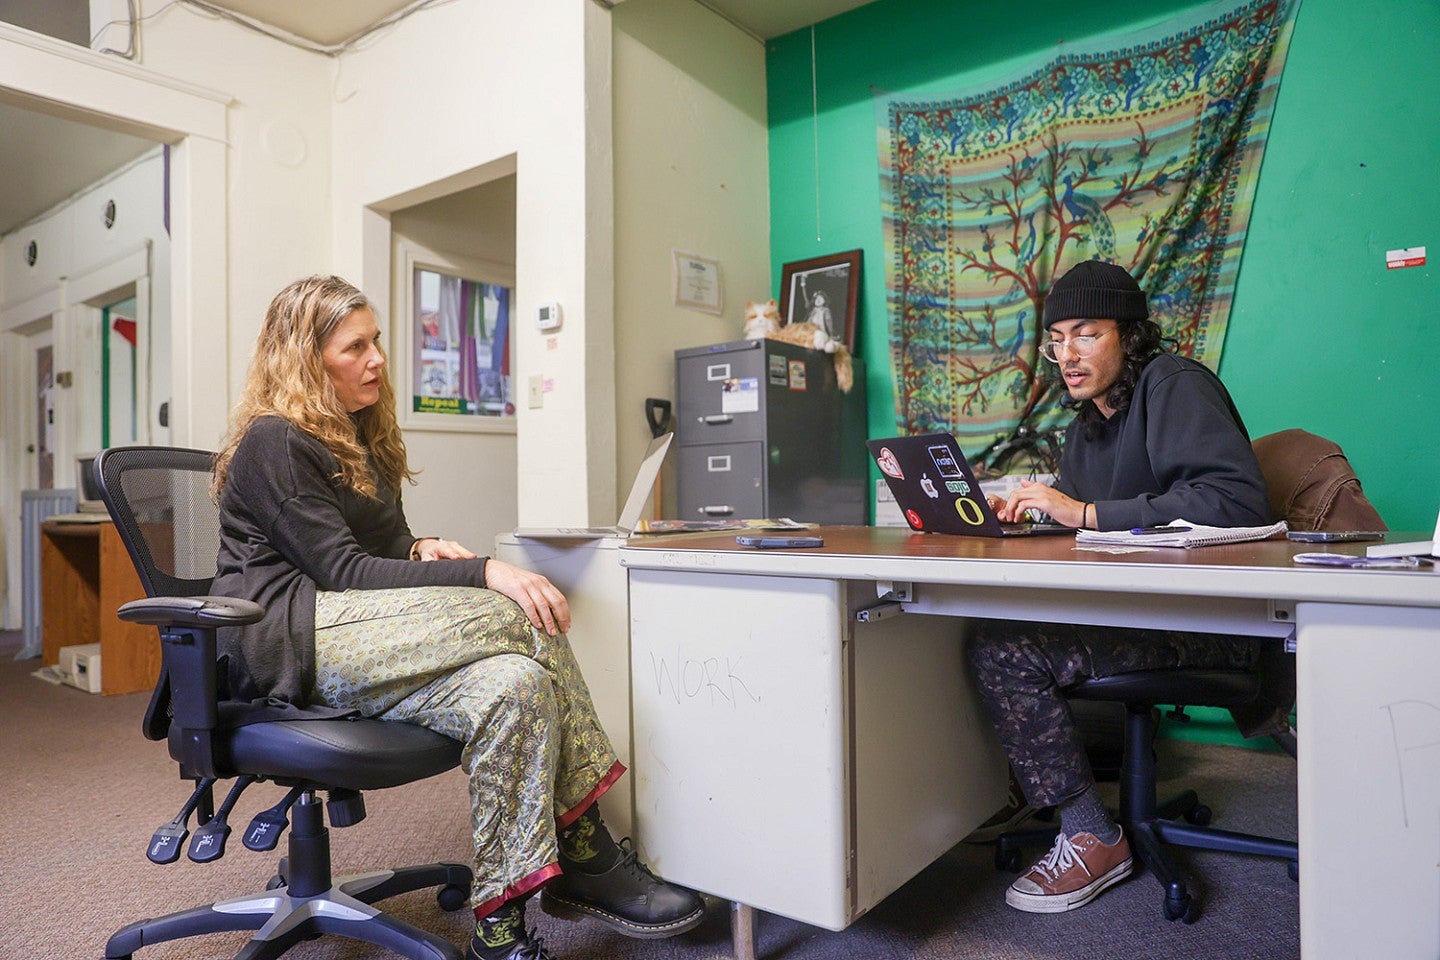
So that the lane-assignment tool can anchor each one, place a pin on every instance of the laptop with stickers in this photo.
(936, 489)
(634, 504)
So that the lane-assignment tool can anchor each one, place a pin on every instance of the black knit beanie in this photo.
(1093, 290)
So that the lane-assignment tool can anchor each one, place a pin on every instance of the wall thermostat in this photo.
(547, 316)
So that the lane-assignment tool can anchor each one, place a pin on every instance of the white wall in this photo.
(691, 173)
(473, 224)
(430, 107)
(57, 78)
(277, 183)
(313, 155)
(80, 259)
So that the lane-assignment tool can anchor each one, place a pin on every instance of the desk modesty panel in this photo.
(798, 702)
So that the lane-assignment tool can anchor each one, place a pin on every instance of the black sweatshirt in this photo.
(1179, 451)
(288, 527)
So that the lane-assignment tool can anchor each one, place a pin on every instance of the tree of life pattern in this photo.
(1145, 155)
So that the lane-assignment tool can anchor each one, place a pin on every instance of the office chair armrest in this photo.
(188, 650)
(195, 612)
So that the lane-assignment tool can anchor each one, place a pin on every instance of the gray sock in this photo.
(1087, 814)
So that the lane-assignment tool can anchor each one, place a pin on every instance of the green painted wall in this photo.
(1322, 336)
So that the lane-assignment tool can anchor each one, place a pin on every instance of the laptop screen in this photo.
(644, 481)
(933, 484)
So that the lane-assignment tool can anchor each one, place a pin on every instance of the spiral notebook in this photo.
(1198, 535)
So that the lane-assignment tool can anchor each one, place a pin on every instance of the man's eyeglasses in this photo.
(1080, 347)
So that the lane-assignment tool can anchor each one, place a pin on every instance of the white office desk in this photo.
(791, 759)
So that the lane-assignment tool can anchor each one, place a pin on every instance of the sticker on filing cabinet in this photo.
(740, 395)
(797, 375)
(718, 464)
(778, 374)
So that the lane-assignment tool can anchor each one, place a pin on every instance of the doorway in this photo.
(40, 441)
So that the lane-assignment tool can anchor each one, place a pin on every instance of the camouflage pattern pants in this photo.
(1022, 669)
(466, 662)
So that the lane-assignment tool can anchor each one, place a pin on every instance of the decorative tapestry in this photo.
(1142, 149)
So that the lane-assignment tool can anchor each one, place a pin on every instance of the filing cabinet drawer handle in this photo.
(717, 511)
(716, 418)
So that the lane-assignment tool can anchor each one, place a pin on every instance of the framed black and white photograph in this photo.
(823, 291)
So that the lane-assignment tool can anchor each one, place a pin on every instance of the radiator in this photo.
(35, 506)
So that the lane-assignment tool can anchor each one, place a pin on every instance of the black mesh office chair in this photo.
(1312, 486)
(159, 500)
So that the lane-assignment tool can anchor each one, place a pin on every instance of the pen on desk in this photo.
(1163, 528)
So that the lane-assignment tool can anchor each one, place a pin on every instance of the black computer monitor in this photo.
(87, 485)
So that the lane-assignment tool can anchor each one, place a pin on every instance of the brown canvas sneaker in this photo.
(1071, 875)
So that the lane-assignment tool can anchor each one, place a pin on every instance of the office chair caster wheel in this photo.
(1007, 858)
(451, 897)
(1181, 908)
(1293, 868)
(1199, 815)
(282, 875)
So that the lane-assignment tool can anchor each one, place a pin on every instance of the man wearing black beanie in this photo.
(1155, 438)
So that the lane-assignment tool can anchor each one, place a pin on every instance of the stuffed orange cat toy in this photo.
(762, 320)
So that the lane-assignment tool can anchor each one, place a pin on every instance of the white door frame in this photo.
(61, 79)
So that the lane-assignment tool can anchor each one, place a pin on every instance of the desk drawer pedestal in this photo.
(791, 759)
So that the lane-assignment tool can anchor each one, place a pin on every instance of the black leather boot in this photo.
(627, 897)
(527, 947)
(502, 936)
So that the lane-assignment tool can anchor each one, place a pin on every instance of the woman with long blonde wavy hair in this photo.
(362, 616)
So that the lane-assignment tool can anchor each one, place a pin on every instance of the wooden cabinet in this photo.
(85, 575)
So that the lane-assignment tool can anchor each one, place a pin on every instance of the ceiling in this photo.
(333, 21)
(47, 159)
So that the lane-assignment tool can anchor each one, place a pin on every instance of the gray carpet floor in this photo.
(81, 791)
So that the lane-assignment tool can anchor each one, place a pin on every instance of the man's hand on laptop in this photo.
(1040, 498)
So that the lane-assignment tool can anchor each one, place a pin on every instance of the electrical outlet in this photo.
(537, 391)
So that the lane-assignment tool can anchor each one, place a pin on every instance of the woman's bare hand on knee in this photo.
(542, 601)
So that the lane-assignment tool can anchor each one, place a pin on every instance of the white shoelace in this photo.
(1061, 857)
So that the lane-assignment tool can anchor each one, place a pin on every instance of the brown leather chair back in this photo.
(1312, 485)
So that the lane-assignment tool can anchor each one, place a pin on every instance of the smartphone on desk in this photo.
(770, 541)
(1334, 536)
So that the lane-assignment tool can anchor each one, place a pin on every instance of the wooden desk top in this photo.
(74, 528)
(1261, 568)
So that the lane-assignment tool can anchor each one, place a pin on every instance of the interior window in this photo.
(461, 359)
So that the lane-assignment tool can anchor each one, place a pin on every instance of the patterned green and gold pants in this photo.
(465, 662)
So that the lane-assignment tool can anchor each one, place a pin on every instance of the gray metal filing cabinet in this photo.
(763, 430)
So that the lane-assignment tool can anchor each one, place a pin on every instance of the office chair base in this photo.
(281, 921)
(1009, 846)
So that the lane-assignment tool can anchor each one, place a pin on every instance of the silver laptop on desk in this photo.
(629, 517)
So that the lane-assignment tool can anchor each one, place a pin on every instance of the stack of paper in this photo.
(689, 526)
(1197, 535)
